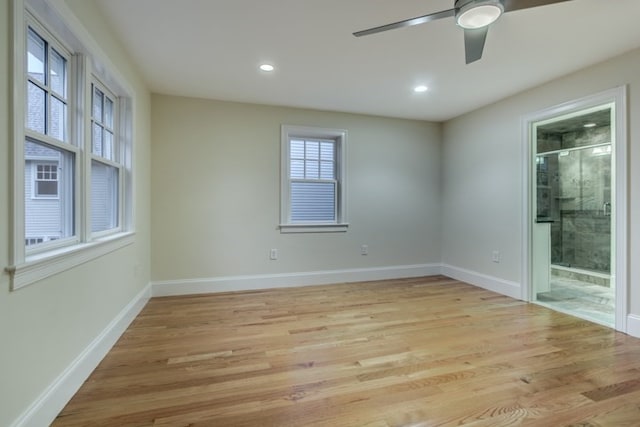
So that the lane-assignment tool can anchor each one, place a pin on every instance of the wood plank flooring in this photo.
(414, 352)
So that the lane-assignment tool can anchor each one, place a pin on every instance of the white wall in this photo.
(46, 325)
(482, 172)
(216, 188)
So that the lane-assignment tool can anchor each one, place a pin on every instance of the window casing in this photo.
(72, 201)
(313, 187)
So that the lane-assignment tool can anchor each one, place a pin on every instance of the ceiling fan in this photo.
(474, 16)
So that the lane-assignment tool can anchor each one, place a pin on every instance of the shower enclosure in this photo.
(573, 214)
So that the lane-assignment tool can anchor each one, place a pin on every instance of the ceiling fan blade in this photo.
(511, 5)
(474, 43)
(407, 22)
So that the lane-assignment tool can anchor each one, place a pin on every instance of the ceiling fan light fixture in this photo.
(478, 14)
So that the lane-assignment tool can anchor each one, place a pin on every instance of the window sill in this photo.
(313, 228)
(41, 266)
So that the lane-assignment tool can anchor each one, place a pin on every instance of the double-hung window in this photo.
(50, 157)
(313, 183)
(72, 132)
(106, 162)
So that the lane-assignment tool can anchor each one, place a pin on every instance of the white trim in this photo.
(495, 284)
(18, 35)
(618, 97)
(51, 401)
(288, 280)
(633, 325)
(313, 228)
(41, 266)
(620, 208)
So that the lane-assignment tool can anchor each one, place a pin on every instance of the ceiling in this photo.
(212, 49)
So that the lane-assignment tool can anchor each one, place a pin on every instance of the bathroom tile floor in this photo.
(585, 300)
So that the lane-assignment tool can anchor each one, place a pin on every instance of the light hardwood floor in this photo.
(414, 352)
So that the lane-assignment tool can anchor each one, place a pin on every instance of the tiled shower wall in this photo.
(579, 189)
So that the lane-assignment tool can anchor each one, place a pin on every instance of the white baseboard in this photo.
(633, 325)
(46, 407)
(286, 280)
(501, 286)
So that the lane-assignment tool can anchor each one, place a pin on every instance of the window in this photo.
(46, 180)
(49, 156)
(313, 181)
(105, 164)
(72, 132)
(33, 240)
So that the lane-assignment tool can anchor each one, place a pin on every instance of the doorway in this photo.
(574, 211)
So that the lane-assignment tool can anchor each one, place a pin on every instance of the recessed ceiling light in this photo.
(420, 89)
(266, 67)
(589, 125)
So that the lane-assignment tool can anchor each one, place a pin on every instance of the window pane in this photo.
(58, 70)
(104, 197)
(36, 48)
(97, 104)
(297, 149)
(47, 188)
(36, 117)
(96, 139)
(58, 119)
(326, 151)
(326, 170)
(47, 171)
(48, 191)
(108, 112)
(312, 169)
(107, 146)
(312, 150)
(313, 201)
(297, 169)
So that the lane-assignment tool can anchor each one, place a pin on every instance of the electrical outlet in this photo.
(273, 254)
(364, 250)
(495, 256)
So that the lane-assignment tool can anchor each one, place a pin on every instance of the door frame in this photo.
(619, 272)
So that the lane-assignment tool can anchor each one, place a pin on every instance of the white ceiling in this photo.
(212, 49)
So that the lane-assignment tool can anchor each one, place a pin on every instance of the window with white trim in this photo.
(106, 162)
(313, 179)
(72, 128)
(49, 155)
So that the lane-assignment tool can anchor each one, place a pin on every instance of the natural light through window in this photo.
(313, 184)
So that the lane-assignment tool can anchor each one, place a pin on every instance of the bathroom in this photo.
(574, 209)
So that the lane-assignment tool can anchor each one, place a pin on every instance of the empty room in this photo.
(319, 213)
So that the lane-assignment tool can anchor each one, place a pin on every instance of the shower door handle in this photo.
(606, 209)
